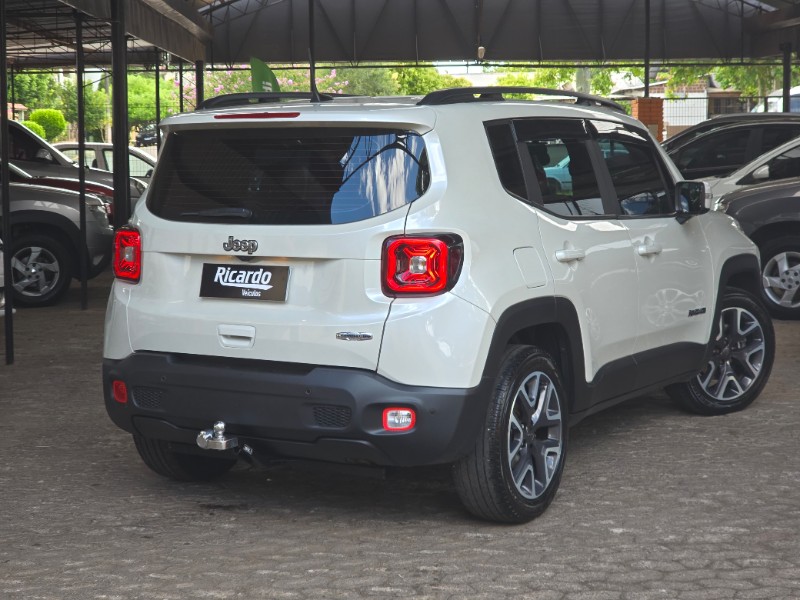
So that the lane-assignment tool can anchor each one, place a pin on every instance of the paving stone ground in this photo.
(654, 504)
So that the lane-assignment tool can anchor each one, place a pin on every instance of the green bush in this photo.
(35, 128)
(51, 120)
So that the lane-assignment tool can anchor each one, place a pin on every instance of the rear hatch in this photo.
(263, 241)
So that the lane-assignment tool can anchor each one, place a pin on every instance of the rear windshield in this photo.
(287, 176)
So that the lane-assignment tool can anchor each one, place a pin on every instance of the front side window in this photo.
(636, 177)
(288, 176)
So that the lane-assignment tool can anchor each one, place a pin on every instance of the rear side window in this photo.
(288, 176)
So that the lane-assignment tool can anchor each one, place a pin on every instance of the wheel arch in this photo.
(771, 231)
(54, 225)
(742, 271)
(551, 324)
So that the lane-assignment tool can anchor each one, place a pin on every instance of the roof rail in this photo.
(244, 98)
(494, 93)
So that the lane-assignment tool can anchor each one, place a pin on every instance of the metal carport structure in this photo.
(222, 32)
(38, 33)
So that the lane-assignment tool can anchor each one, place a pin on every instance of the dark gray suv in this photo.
(769, 213)
(45, 242)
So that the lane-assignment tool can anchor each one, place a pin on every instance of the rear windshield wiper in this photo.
(211, 213)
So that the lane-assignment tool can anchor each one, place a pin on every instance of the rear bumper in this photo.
(294, 411)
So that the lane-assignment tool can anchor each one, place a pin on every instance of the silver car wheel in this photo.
(737, 356)
(781, 279)
(535, 433)
(35, 271)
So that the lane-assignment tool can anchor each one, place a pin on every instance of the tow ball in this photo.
(215, 439)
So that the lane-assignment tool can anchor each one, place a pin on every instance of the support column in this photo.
(650, 111)
(119, 114)
(786, 49)
(4, 188)
(199, 82)
(158, 100)
(79, 72)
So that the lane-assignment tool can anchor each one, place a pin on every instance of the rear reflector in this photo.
(399, 419)
(119, 391)
(421, 266)
(127, 254)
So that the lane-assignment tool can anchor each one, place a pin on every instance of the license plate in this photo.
(244, 282)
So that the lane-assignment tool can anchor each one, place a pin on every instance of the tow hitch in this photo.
(215, 439)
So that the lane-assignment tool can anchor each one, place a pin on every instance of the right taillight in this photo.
(127, 254)
(421, 266)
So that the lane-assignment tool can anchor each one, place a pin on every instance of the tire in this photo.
(780, 276)
(164, 459)
(743, 342)
(41, 270)
(513, 472)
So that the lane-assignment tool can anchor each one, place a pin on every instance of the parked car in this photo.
(404, 289)
(147, 135)
(778, 164)
(100, 155)
(46, 241)
(751, 118)
(99, 190)
(723, 150)
(37, 157)
(769, 213)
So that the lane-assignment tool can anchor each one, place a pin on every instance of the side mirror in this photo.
(691, 198)
(761, 173)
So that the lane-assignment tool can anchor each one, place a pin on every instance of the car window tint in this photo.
(565, 177)
(288, 176)
(506, 158)
(785, 165)
(716, 150)
(636, 177)
(775, 135)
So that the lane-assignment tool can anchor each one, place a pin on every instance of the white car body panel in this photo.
(335, 270)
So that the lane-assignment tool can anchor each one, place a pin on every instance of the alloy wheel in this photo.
(35, 271)
(737, 356)
(781, 279)
(535, 434)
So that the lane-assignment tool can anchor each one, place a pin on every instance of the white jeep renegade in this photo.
(405, 281)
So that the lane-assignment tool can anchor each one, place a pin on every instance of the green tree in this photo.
(369, 82)
(35, 90)
(52, 121)
(421, 80)
(35, 128)
(142, 99)
(96, 108)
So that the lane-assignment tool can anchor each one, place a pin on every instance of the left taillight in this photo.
(421, 266)
(128, 254)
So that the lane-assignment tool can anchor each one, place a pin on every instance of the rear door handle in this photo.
(567, 256)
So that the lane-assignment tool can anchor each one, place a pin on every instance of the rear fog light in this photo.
(399, 419)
